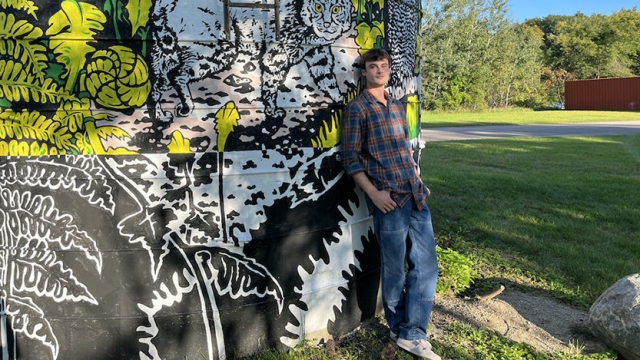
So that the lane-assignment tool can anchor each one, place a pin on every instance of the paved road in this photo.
(504, 131)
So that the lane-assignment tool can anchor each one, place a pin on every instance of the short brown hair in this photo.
(374, 55)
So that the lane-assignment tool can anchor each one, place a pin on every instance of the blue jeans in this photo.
(409, 268)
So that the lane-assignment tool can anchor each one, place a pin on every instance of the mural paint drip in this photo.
(169, 173)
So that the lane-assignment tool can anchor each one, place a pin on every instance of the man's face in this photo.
(376, 73)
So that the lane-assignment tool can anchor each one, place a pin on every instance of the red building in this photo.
(603, 94)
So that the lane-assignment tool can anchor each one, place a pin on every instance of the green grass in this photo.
(461, 342)
(464, 342)
(520, 116)
(554, 214)
(368, 343)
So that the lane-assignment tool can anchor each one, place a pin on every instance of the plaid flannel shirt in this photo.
(375, 139)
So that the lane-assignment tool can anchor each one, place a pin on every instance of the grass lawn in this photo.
(555, 214)
(520, 116)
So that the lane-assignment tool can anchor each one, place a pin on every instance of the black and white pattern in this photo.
(402, 43)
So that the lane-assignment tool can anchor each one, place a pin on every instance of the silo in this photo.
(170, 183)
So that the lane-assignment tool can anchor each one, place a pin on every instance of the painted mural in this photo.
(170, 183)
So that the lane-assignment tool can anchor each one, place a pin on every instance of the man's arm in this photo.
(351, 149)
(381, 198)
(351, 140)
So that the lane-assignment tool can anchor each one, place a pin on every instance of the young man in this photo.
(377, 153)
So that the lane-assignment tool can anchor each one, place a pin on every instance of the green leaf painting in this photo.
(138, 14)
(72, 30)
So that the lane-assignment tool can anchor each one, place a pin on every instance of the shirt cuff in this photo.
(353, 169)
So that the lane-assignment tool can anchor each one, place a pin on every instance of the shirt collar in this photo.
(374, 99)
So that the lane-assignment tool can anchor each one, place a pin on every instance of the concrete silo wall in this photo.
(169, 174)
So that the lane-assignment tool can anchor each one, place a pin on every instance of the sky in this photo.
(521, 10)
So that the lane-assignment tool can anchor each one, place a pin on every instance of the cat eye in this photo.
(318, 7)
(336, 9)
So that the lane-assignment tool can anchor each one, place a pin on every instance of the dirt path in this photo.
(533, 319)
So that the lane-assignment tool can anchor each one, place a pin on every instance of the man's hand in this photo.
(382, 200)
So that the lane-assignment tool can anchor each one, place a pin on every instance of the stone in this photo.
(615, 317)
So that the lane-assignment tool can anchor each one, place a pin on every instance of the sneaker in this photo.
(393, 336)
(420, 348)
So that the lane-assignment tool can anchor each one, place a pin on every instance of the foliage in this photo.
(18, 85)
(331, 130)
(117, 78)
(22, 5)
(64, 73)
(138, 11)
(516, 70)
(71, 32)
(52, 137)
(413, 116)
(553, 83)
(474, 57)
(455, 271)
(129, 21)
(178, 144)
(16, 43)
(594, 46)
(23, 63)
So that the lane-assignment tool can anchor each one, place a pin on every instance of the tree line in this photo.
(474, 56)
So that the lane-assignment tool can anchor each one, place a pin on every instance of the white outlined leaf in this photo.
(42, 274)
(238, 276)
(36, 217)
(84, 175)
(27, 318)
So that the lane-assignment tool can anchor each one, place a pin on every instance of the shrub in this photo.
(456, 272)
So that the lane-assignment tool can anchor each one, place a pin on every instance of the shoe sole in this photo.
(413, 354)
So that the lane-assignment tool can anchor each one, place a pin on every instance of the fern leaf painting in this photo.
(28, 319)
(31, 133)
(35, 224)
(117, 78)
(18, 40)
(235, 275)
(18, 85)
(27, 6)
(138, 11)
(72, 30)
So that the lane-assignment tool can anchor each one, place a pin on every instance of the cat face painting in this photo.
(170, 183)
(328, 20)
